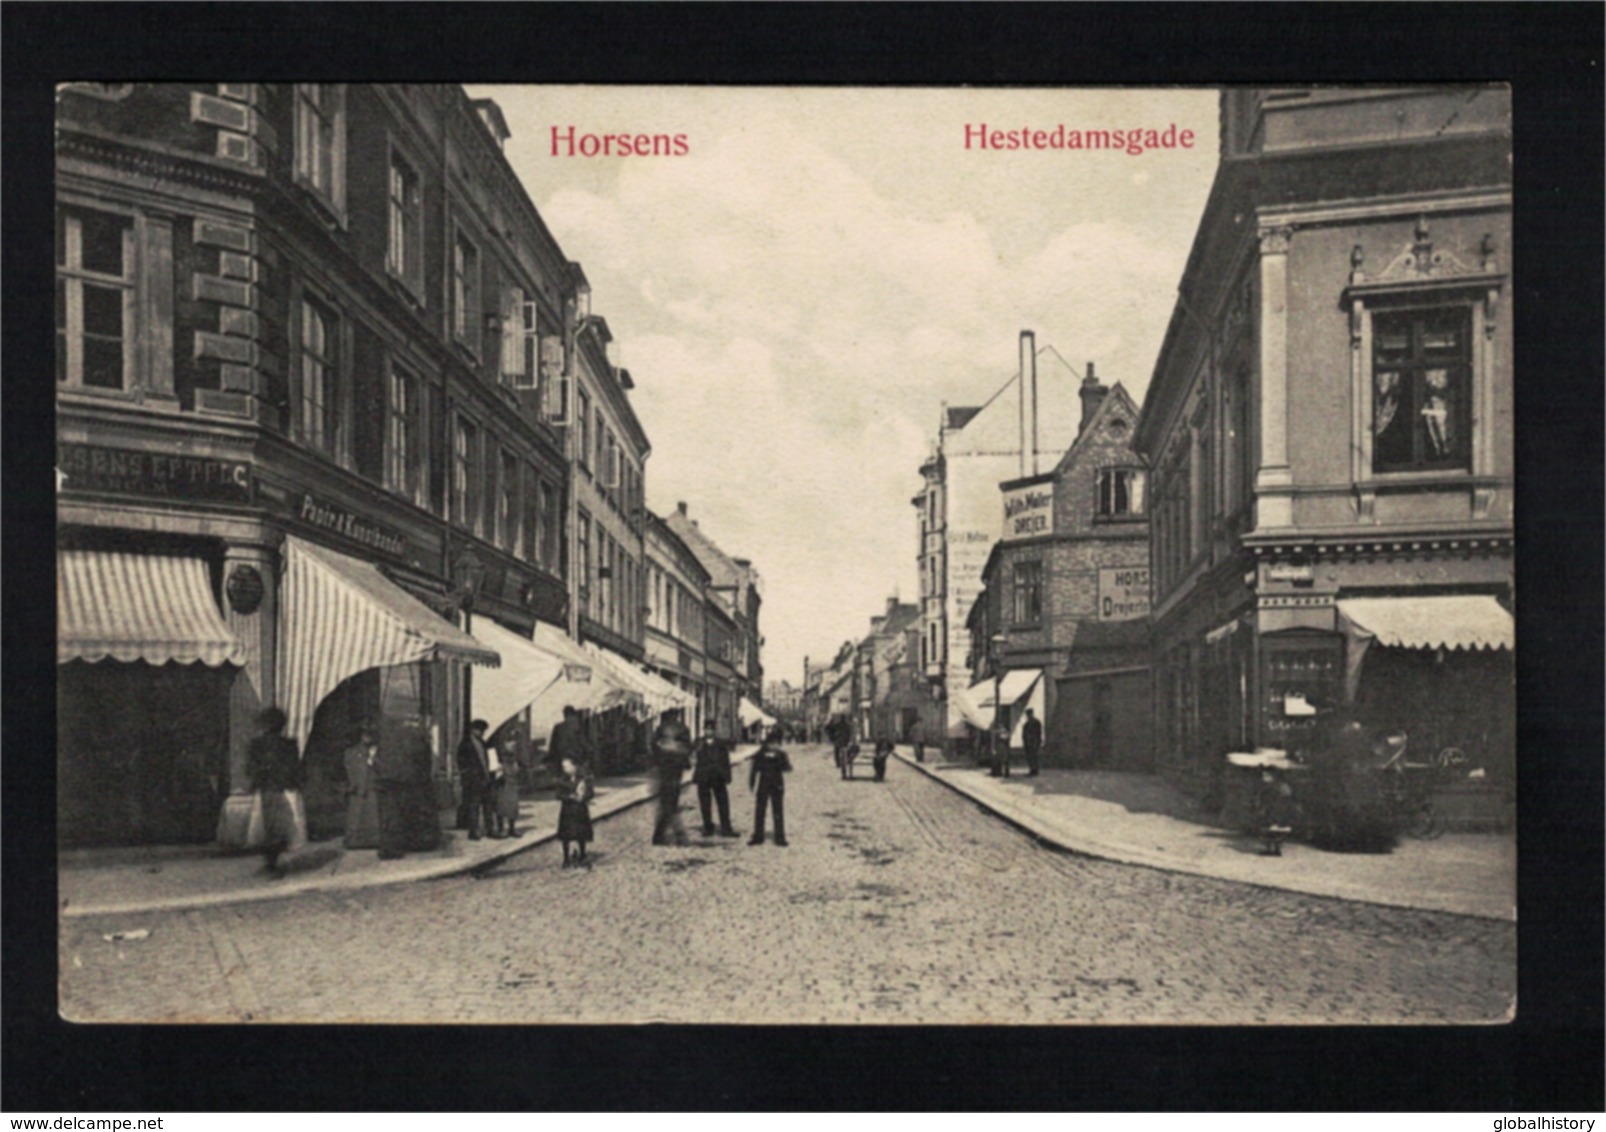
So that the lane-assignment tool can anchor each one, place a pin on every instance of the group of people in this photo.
(709, 758)
(1031, 740)
(845, 751)
(390, 796)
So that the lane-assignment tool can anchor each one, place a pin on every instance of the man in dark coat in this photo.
(568, 741)
(766, 776)
(1031, 737)
(474, 772)
(712, 775)
(671, 752)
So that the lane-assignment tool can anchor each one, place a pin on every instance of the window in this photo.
(1120, 492)
(322, 417)
(320, 154)
(1421, 389)
(583, 536)
(404, 438)
(1028, 593)
(531, 532)
(507, 511)
(466, 476)
(404, 257)
(94, 300)
(520, 343)
(466, 292)
(550, 526)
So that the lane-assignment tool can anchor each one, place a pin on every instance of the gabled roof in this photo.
(1117, 399)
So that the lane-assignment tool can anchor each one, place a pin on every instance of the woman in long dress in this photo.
(575, 789)
(362, 792)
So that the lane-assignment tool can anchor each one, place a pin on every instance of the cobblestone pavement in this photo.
(897, 902)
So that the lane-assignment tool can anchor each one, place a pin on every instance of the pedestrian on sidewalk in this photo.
(766, 777)
(474, 773)
(569, 740)
(1031, 737)
(504, 747)
(878, 758)
(274, 763)
(362, 791)
(712, 775)
(671, 752)
(575, 791)
(1000, 753)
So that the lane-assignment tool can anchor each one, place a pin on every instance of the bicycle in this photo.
(1414, 812)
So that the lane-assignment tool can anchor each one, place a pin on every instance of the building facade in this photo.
(309, 338)
(1330, 431)
(977, 448)
(677, 588)
(1062, 622)
(734, 585)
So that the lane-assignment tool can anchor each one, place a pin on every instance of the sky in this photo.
(798, 294)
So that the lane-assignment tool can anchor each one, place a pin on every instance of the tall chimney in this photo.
(1092, 394)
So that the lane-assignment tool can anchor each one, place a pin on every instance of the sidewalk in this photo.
(100, 882)
(1140, 820)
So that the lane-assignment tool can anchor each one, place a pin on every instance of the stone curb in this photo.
(423, 869)
(1050, 833)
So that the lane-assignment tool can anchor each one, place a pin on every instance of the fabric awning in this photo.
(750, 713)
(527, 672)
(339, 616)
(1017, 683)
(139, 607)
(1473, 622)
(1476, 622)
(1035, 701)
(975, 704)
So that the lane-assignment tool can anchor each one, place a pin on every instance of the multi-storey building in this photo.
(888, 690)
(736, 586)
(310, 344)
(1062, 622)
(677, 588)
(1330, 430)
(976, 450)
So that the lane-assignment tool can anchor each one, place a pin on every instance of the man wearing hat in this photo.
(765, 775)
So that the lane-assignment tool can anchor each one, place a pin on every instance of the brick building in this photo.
(677, 589)
(1061, 624)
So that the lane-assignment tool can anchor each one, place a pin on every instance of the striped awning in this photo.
(339, 616)
(139, 607)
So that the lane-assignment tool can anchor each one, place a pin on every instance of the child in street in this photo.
(575, 789)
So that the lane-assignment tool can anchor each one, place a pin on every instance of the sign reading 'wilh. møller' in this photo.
(1029, 510)
(1123, 593)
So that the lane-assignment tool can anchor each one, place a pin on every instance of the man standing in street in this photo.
(766, 776)
(1031, 737)
(568, 741)
(712, 775)
(474, 771)
(671, 751)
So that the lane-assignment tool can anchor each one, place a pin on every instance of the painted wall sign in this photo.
(128, 471)
(1123, 593)
(1029, 511)
(330, 517)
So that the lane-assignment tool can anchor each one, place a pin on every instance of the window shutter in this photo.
(527, 347)
(553, 387)
(610, 465)
(512, 334)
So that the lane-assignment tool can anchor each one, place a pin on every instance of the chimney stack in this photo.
(681, 506)
(1092, 394)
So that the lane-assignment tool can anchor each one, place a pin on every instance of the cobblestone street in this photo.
(897, 902)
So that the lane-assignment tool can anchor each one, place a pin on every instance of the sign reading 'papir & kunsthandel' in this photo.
(1029, 510)
(1123, 593)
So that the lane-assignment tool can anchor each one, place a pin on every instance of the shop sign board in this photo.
(1029, 511)
(1123, 593)
(336, 519)
(131, 471)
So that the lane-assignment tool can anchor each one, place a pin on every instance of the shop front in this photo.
(145, 663)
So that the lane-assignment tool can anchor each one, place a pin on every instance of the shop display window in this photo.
(1302, 675)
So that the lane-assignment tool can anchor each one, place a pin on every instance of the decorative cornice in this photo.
(192, 168)
(1276, 241)
(1391, 547)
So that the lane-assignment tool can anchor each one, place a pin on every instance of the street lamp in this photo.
(995, 645)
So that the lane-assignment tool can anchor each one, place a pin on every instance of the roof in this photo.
(959, 418)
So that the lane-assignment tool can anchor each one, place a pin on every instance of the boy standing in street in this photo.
(766, 776)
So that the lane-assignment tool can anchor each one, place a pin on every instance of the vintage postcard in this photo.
(783, 555)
